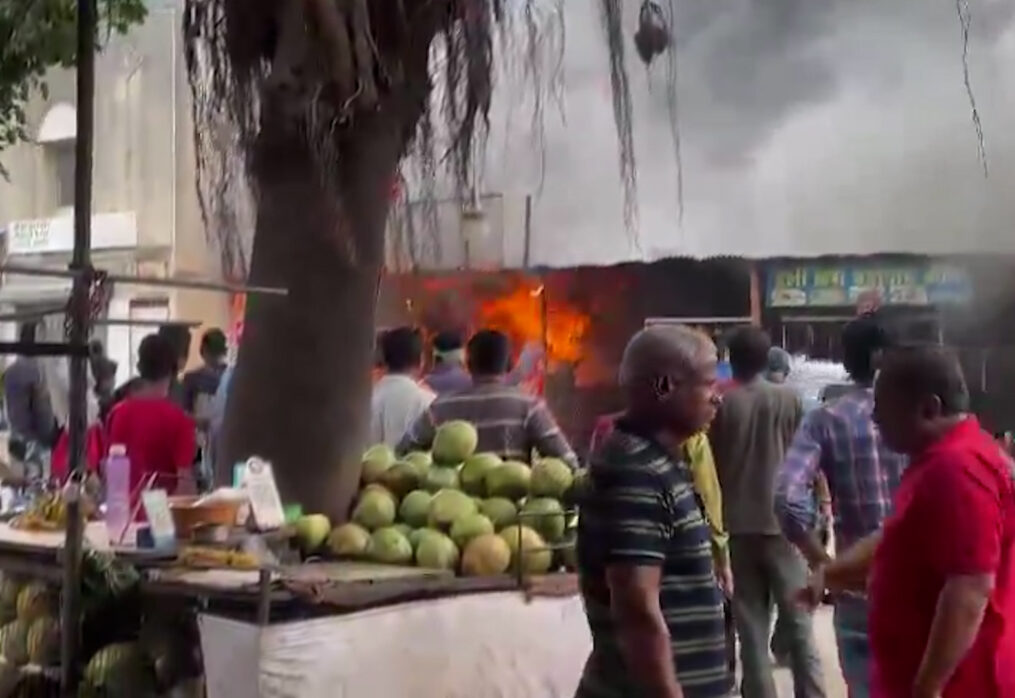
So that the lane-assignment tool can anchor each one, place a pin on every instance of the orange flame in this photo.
(519, 314)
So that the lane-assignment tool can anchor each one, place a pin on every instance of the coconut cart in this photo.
(452, 578)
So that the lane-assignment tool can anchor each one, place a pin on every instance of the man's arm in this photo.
(641, 629)
(546, 437)
(796, 416)
(634, 535)
(960, 609)
(794, 492)
(963, 519)
(420, 435)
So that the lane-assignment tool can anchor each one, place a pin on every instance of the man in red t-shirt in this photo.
(159, 436)
(941, 587)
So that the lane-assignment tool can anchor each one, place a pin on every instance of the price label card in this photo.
(160, 519)
(239, 472)
(265, 502)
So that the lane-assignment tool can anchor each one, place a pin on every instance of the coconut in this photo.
(486, 555)
(528, 549)
(448, 506)
(546, 516)
(437, 552)
(468, 527)
(311, 532)
(510, 480)
(390, 546)
(454, 442)
(349, 540)
(376, 460)
(501, 512)
(415, 508)
(375, 509)
(551, 477)
(474, 470)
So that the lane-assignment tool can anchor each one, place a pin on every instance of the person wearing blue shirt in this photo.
(217, 418)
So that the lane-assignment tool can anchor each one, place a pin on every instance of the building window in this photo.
(63, 169)
(57, 133)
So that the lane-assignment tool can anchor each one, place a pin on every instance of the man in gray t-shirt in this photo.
(750, 435)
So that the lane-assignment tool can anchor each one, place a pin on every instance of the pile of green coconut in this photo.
(455, 509)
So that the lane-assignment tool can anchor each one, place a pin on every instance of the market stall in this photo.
(455, 562)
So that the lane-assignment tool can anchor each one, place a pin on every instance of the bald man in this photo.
(645, 559)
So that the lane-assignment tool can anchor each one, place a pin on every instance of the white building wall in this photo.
(143, 171)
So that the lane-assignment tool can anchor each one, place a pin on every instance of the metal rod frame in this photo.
(43, 349)
(129, 280)
(716, 320)
(28, 316)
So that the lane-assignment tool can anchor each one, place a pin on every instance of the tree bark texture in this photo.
(300, 396)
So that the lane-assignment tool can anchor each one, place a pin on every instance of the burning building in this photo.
(489, 271)
(582, 316)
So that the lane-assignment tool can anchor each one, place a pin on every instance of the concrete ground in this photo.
(825, 635)
(829, 659)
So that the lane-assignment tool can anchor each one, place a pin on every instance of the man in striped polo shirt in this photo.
(644, 552)
(509, 422)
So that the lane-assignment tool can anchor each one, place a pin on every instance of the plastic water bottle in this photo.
(117, 492)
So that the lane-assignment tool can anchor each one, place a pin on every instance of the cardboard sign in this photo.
(160, 518)
(265, 502)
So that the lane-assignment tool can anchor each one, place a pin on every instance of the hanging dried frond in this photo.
(673, 105)
(318, 68)
(612, 15)
(965, 20)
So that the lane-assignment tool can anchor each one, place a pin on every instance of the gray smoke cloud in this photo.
(809, 127)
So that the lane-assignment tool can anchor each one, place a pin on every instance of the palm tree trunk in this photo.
(300, 396)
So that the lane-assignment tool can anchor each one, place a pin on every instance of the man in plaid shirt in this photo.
(840, 441)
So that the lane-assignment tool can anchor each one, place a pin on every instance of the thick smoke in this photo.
(828, 127)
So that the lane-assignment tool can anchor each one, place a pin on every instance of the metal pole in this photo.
(527, 255)
(79, 315)
(544, 313)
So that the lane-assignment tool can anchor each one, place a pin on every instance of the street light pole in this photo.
(80, 312)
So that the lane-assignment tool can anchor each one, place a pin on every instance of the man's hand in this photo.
(922, 690)
(810, 596)
(724, 575)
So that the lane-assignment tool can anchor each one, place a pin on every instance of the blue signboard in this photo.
(829, 285)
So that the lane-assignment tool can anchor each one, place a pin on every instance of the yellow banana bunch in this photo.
(48, 513)
(200, 556)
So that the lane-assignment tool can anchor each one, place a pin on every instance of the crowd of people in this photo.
(162, 416)
(474, 382)
(708, 505)
(923, 502)
(703, 530)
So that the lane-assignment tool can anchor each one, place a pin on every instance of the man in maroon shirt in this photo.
(159, 436)
(941, 587)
